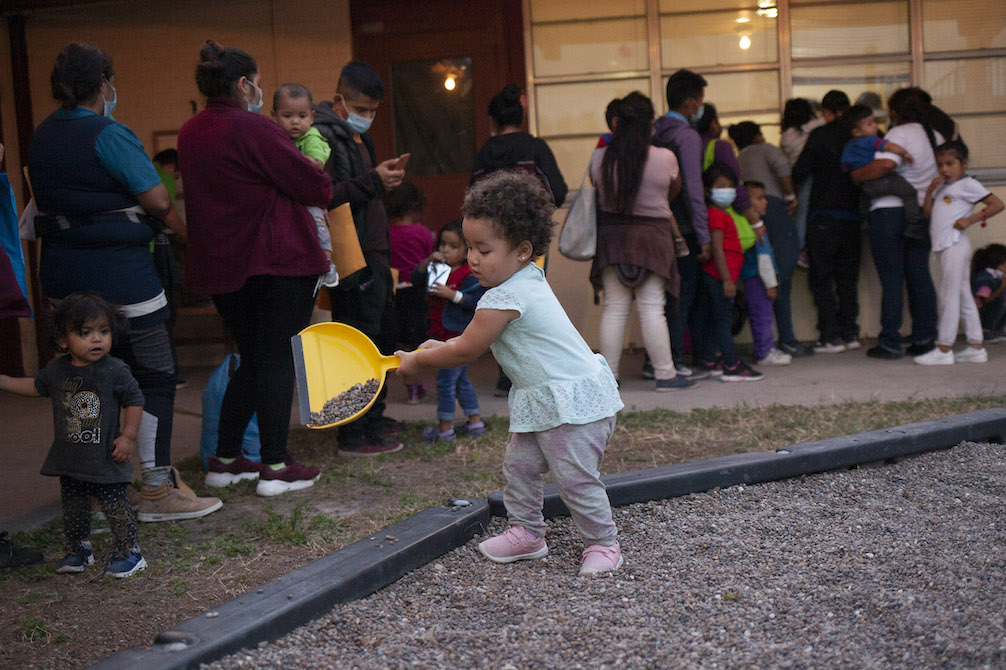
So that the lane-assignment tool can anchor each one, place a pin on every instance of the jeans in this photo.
(453, 384)
(691, 293)
(783, 235)
(833, 248)
(900, 262)
(712, 324)
(650, 297)
(262, 316)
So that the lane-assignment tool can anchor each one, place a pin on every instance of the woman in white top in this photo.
(901, 261)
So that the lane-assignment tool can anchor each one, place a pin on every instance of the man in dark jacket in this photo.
(364, 299)
(833, 223)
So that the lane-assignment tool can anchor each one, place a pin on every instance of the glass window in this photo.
(769, 124)
(968, 85)
(849, 29)
(960, 25)
(737, 92)
(565, 109)
(717, 38)
(434, 115)
(577, 10)
(583, 47)
(668, 6)
(984, 136)
(880, 78)
(571, 155)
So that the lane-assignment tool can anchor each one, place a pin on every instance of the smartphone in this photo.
(402, 161)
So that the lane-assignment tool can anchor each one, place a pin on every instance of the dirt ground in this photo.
(70, 621)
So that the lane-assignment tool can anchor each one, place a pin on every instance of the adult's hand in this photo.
(390, 177)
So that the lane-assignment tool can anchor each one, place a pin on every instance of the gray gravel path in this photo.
(901, 566)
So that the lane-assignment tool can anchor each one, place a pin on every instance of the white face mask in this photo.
(255, 107)
(723, 197)
(110, 104)
(358, 124)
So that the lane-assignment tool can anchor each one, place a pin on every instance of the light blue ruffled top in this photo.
(556, 378)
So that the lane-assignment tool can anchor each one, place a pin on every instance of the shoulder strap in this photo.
(707, 159)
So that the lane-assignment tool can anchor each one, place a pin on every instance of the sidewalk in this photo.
(30, 499)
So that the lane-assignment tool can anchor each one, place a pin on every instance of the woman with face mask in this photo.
(253, 247)
(100, 204)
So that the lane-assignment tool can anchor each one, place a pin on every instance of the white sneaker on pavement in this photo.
(972, 355)
(936, 356)
(776, 357)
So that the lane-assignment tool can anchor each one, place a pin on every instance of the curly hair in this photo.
(518, 206)
(77, 310)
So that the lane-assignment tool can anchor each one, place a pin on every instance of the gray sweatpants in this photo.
(573, 453)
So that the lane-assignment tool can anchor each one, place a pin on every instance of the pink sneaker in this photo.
(601, 558)
(221, 474)
(513, 545)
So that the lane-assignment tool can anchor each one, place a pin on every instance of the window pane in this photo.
(590, 46)
(850, 29)
(970, 85)
(880, 78)
(434, 124)
(571, 155)
(670, 6)
(743, 91)
(958, 25)
(563, 10)
(717, 38)
(565, 109)
(983, 135)
(769, 124)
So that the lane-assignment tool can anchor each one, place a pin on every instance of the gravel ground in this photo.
(901, 566)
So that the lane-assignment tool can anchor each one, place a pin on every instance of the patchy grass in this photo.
(196, 565)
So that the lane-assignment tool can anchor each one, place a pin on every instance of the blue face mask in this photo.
(255, 107)
(358, 124)
(698, 114)
(723, 197)
(110, 104)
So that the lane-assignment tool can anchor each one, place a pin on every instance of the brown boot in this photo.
(167, 503)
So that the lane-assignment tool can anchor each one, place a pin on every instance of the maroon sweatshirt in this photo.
(246, 186)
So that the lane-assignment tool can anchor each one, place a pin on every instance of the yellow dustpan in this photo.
(330, 358)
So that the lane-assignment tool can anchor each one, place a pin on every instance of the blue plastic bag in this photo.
(213, 398)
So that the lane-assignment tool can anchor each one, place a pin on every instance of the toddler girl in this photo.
(988, 280)
(949, 203)
(719, 276)
(452, 305)
(564, 398)
(89, 453)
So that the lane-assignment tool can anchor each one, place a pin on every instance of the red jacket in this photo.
(246, 186)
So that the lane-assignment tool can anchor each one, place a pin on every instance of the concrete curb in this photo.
(626, 488)
(369, 565)
(309, 592)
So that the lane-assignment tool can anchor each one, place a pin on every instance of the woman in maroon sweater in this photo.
(253, 247)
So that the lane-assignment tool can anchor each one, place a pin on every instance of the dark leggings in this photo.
(77, 496)
(262, 316)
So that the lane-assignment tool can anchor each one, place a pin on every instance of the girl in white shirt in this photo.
(564, 398)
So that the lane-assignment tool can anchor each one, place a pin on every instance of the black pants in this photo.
(833, 249)
(262, 316)
(76, 497)
(369, 307)
(680, 313)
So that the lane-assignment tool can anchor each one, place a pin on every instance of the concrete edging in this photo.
(669, 481)
(296, 598)
(369, 565)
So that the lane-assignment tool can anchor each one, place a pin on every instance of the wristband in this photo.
(458, 297)
(985, 217)
(757, 224)
(789, 197)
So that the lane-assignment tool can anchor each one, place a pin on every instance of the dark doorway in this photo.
(441, 61)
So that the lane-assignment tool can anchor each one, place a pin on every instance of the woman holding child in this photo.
(903, 261)
(254, 248)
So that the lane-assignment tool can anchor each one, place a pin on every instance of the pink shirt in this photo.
(660, 169)
(411, 244)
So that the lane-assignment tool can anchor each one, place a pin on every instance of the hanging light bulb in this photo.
(745, 42)
(450, 83)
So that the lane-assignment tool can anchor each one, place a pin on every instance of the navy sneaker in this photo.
(677, 383)
(76, 560)
(126, 566)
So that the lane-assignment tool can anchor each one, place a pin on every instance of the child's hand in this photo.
(772, 293)
(961, 224)
(431, 344)
(123, 449)
(409, 365)
(934, 185)
(729, 289)
(908, 158)
(442, 291)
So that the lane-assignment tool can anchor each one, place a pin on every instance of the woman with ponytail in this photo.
(101, 204)
(635, 238)
(254, 249)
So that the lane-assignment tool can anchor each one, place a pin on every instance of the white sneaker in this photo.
(936, 356)
(852, 345)
(972, 355)
(776, 357)
(822, 347)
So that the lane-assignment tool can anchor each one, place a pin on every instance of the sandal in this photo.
(431, 435)
(471, 429)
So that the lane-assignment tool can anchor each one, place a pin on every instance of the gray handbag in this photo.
(578, 239)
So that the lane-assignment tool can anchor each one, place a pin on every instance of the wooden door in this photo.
(391, 35)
